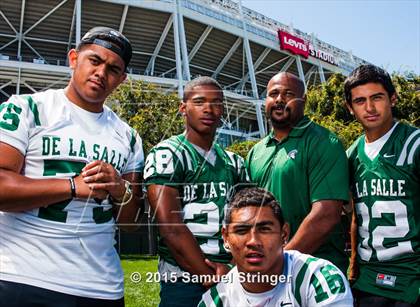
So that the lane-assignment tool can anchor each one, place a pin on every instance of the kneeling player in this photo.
(255, 233)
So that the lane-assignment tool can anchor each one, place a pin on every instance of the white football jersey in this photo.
(306, 281)
(69, 246)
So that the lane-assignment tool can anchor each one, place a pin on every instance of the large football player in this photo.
(265, 275)
(189, 179)
(385, 178)
(66, 161)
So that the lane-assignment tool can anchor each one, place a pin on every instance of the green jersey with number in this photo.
(204, 188)
(69, 246)
(306, 281)
(386, 192)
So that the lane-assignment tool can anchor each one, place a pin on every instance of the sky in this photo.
(383, 32)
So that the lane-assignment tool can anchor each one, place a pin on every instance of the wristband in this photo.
(72, 187)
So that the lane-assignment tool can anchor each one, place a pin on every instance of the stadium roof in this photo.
(199, 37)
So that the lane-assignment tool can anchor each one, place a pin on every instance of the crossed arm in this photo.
(316, 226)
(166, 206)
(97, 180)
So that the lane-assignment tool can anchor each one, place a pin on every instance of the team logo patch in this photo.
(385, 280)
(292, 154)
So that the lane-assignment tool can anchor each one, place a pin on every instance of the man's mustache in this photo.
(283, 107)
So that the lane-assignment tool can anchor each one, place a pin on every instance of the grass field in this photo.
(142, 293)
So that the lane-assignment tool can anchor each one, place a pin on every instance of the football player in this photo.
(265, 275)
(189, 179)
(385, 179)
(66, 161)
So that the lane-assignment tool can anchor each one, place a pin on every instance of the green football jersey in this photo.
(203, 188)
(386, 192)
(307, 166)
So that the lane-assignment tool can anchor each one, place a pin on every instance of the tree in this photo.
(327, 99)
(149, 110)
(241, 148)
(325, 105)
(154, 113)
(408, 105)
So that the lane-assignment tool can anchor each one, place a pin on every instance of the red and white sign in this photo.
(299, 46)
(294, 44)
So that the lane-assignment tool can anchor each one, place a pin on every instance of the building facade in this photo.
(173, 41)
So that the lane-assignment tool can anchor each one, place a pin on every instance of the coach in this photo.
(304, 165)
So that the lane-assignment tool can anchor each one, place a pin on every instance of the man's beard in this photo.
(286, 120)
(290, 117)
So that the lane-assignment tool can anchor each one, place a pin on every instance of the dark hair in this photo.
(255, 197)
(367, 74)
(204, 80)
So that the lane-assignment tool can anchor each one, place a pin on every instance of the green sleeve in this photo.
(163, 167)
(351, 153)
(328, 170)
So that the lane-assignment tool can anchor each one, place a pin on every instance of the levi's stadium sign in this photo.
(322, 55)
(293, 44)
(298, 46)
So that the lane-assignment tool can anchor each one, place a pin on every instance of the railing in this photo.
(35, 60)
(63, 62)
(266, 27)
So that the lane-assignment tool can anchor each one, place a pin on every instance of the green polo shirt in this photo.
(307, 166)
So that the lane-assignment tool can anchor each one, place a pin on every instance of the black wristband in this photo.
(72, 187)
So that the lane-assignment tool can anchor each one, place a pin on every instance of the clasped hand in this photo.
(98, 180)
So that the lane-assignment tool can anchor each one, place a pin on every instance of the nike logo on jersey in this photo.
(388, 156)
(284, 304)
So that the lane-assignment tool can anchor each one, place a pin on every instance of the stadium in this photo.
(48, 191)
(173, 41)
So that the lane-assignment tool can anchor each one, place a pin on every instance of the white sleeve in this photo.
(135, 161)
(328, 286)
(17, 117)
(206, 300)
